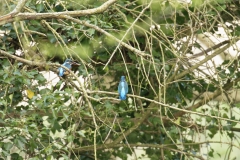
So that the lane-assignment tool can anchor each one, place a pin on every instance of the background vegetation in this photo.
(147, 41)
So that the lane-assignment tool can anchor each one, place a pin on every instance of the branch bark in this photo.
(17, 9)
(27, 16)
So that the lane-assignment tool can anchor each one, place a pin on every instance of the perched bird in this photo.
(68, 63)
(122, 88)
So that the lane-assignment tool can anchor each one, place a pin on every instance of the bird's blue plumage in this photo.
(68, 64)
(122, 88)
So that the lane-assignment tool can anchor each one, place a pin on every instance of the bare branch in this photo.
(26, 16)
(16, 10)
(138, 52)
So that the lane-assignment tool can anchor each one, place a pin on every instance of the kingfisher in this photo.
(122, 88)
(68, 63)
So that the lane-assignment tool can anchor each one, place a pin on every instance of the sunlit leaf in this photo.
(178, 121)
(30, 93)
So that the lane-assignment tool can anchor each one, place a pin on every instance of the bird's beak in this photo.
(75, 63)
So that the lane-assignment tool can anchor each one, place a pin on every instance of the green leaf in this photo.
(56, 126)
(155, 120)
(91, 31)
(51, 37)
(197, 3)
(237, 31)
(81, 133)
(40, 7)
(17, 73)
(20, 142)
(16, 156)
(7, 146)
(40, 78)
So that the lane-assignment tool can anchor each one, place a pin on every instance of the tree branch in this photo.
(209, 98)
(219, 51)
(164, 146)
(10, 15)
(138, 52)
(151, 106)
(27, 16)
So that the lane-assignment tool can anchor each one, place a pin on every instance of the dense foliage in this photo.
(148, 42)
